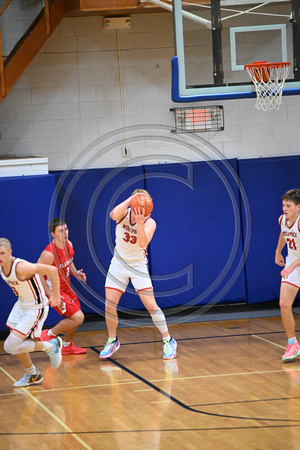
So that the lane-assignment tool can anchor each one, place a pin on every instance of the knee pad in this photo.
(12, 344)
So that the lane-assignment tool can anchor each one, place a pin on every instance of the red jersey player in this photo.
(59, 253)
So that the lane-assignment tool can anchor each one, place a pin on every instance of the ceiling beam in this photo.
(77, 8)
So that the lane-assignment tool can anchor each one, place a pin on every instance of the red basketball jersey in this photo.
(63, 258)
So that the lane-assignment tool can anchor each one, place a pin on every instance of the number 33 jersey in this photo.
(127, 247)
(292, 237)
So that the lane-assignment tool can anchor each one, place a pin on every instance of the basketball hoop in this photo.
(268, 79)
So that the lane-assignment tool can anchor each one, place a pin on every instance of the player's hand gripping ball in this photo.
(142, 201)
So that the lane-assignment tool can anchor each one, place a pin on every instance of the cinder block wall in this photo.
(70, 97)
(15, 20)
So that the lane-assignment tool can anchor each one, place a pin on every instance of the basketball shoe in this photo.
(110, 348)
(45, 336)
(55, 352)
(170, 349)
(29, 379)
(291, 351)
(71, 349)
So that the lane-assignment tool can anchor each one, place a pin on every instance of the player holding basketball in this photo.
(290, 282)
(134, 232)
(29, 312)
(59, 253)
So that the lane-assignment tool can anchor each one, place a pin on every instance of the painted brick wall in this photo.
(69, 98)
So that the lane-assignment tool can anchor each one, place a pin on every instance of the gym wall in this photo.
(217, 228)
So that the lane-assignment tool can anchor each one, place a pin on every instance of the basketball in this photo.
(142, 201)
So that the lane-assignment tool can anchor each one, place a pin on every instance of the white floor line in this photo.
(266, 340)
(60, 422)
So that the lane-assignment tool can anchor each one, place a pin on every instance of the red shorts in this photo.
(69, 305)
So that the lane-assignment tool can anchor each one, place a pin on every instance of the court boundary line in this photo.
(171, 398)
(167, 430)
(248, 401)
(183, 405)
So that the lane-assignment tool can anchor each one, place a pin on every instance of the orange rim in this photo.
(261, 70)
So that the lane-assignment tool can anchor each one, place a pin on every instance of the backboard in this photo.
(214, 41)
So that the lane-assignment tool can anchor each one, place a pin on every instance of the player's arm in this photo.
(26, 270)
(120, 210)
(48, 259)
(76, 273)
(289, 269)
(279, 259)
(145, 230)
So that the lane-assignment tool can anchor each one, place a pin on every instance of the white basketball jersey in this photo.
(127, 247)
(292, 237)
(30, 292)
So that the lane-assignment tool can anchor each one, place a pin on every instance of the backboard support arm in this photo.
(216, 28)
(296, 37)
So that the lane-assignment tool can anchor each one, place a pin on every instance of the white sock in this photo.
(50, 333)
(65, 344)
(32, 370)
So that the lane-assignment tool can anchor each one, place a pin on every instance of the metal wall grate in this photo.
(204, 118)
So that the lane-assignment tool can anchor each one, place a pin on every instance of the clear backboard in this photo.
(214, 41)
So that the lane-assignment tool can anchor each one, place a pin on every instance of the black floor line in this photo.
(222, 336)
(161, 430)
(183, 405)
(248, 401)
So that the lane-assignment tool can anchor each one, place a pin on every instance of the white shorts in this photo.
(26, 320)
(120, 272)
(294, 277)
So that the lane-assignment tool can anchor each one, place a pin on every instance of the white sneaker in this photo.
(55, 352)
(29, 379)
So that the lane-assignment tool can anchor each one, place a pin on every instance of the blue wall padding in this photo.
(191, 252)
(24, 221)
(85, 199)
(203, 224)
(265, 180)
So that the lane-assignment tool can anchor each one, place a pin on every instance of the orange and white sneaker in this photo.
(291, 352)
(71, 349)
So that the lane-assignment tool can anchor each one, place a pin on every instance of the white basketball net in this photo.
(268, 81)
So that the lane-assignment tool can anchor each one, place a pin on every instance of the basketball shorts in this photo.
(69, 305)
(120, 272)
(294, 277)
(27, 321)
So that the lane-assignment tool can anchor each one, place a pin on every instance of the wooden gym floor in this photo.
(227, 389)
